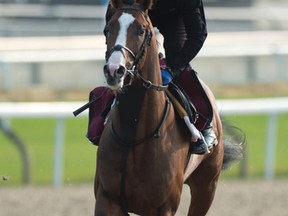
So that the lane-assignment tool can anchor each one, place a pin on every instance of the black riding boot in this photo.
(200, 147)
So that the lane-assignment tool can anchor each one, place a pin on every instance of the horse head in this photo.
(128, 33)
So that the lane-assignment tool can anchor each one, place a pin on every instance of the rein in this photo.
(149, 85)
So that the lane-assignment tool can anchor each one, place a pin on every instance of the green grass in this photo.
(39, 137)
(79, 164)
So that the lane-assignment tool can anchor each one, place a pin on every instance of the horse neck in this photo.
(140, 109)
(151, 71)
(151, 67)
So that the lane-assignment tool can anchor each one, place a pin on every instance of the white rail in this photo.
(62, 110)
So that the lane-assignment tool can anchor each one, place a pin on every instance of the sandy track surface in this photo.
(233, 198)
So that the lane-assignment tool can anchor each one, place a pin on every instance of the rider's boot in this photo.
(202, 146)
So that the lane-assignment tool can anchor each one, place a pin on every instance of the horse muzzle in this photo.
(114, 75)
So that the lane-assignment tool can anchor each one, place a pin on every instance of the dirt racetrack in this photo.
(233, 198)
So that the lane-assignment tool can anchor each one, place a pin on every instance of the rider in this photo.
(183, 26)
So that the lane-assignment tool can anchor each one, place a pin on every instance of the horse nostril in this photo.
(120, 71)
(105, 70)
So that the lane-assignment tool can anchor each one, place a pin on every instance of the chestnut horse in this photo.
(142, 156)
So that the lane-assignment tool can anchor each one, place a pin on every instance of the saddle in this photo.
(189, 92)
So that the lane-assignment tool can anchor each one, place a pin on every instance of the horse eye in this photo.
(142, 32)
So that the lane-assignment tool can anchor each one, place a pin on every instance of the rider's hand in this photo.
(166, 76)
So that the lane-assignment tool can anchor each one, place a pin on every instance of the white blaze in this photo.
(124, 21)
(117, 58)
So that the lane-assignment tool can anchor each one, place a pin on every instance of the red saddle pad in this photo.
(191, 85)
(98, 111)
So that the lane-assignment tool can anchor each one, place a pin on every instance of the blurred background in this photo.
(52, 55)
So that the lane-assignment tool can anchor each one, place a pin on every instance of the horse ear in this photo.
(115, 3)
(145, 4)
(118, 3)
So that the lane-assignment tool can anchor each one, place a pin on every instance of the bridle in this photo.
(134, 69)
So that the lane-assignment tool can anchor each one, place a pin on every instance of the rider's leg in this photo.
(201, 145)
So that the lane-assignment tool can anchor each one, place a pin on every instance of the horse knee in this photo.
(98, 211)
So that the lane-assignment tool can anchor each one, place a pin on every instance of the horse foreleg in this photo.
(104, 206)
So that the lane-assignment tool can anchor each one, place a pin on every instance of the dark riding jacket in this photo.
(183, 26)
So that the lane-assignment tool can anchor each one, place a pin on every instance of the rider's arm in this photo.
(195, 24)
